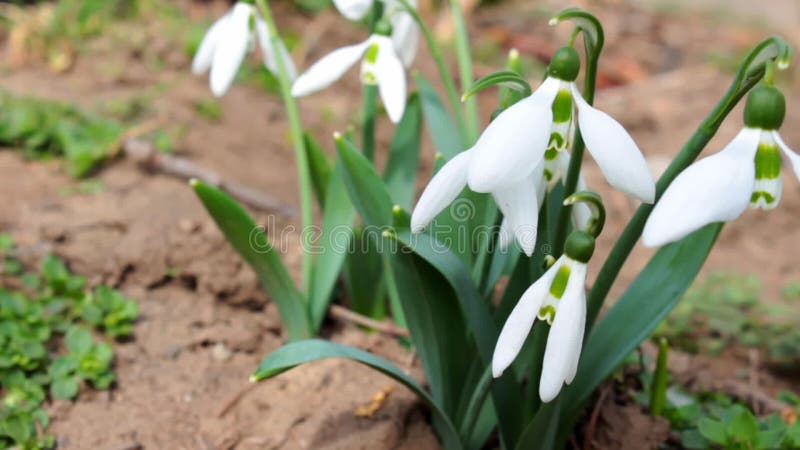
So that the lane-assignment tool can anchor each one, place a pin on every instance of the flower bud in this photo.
(765, 108)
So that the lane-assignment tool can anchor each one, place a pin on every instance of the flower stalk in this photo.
(465, 70)
(296, 129)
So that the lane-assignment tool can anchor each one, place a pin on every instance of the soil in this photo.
(205, 324)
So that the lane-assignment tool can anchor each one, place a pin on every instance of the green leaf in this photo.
(651, 296)
(78, 340)
(743, 426)
(541, 432)
(337, 225)
(443, 131)
(364, 185)
(436, 324)
(363, 274)
(65, 388)
(320, 167)
(253, 246)
(713, 430)
(401, 169)
(506, 79)
(296, 353)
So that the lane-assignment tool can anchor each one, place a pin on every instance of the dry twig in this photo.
(342, 313)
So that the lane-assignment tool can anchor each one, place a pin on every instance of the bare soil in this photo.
(205, 324)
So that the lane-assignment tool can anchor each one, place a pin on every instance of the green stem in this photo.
(622, 248)
(465, 70)
(444, 72)
(574, 170)
(303, 170)
(475, 404)
(370, 95)
(658, 390)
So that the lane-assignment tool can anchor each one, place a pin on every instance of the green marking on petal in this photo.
(368, 77)
(548, 175)
(560, 281)
(548, 313)
(372, 53)
(768, 197)
(551, 154)
(562, 106)
(768, 161)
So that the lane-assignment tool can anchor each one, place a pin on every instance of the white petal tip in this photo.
(497, 373)
(553, 22)
(549, 393)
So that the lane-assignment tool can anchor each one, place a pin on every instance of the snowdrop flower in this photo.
(720, 187)
(226, 43)
(519, 138)
(405, 31)
(380, 64)
(559, 298)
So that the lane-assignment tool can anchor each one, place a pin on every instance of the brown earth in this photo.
(205, 324)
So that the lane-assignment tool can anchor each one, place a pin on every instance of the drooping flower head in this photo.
(225, 45)
(718, 188)
(518, 139)
(380, 64)
(559, 298)
(509, 158)
(405, 31)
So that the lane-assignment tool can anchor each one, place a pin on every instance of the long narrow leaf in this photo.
(334, 243)
(294, 354)
(443, 131)
(402, 167)
(253, 245)
(320, 167)
(479, 321)
(364, 185)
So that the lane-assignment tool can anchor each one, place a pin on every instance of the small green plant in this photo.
(46, 129)
(47, 347)
(726, 309)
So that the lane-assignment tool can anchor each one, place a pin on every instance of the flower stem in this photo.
(369, 97)
(465, 70)
(475, 404)
(444, 72)
(301, 157)
(746, 78)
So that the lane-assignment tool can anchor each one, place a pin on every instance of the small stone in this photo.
(220, 352)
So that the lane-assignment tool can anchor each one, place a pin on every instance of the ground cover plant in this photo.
(48, 347)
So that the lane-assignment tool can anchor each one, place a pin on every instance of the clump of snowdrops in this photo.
(505, 201)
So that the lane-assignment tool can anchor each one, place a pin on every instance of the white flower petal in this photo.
(519, 322)
(443, 188)
(231, 48)
(614, 151)
(391, 76)
(514, 143)
(269, 53)
(353, 9)
(329, 69)
(205, 52)
(405, 35)
(579, 271)
(716, 188)
(519, 205)
(581, 212)
(793, 157)
(564, 341)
